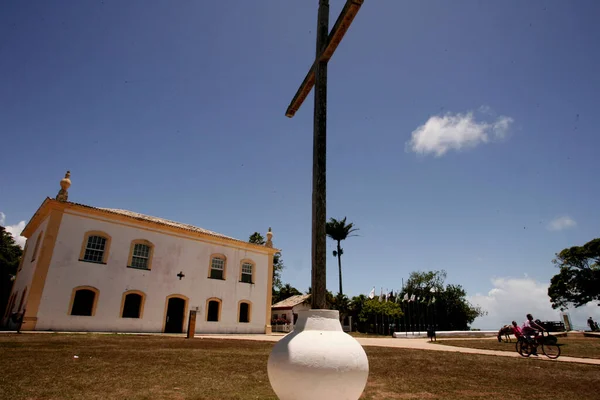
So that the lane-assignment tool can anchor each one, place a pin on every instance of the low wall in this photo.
(441, 334)
(457, 334)
(592, 334)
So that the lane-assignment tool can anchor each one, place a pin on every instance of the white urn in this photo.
(318, 360)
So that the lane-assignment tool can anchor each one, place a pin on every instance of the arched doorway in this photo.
(175, 313)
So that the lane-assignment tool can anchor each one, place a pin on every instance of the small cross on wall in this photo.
(180, 275)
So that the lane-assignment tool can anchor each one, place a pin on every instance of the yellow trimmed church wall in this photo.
(25, 274)
(172, 253)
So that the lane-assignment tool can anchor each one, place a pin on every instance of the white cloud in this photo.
(560, 223)
(501, 126)
(513, 298)
(486, 110)
(14, 230)
(442, 133)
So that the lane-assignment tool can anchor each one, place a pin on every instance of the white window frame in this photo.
(245, 272)
(146, 258)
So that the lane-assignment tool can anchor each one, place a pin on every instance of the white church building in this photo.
(86, 268)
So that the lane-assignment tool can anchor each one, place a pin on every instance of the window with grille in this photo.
(132, 306)
(217, 268)
(247, 272)
(141, 256)
(213, 311)
(94, 250)
(244, 312)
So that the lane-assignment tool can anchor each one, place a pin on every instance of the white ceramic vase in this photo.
(318, 360)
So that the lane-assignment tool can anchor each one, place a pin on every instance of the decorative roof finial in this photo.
(65, 183)
(269, 242)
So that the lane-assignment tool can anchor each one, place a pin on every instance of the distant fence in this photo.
(287, 328)
(282, 328)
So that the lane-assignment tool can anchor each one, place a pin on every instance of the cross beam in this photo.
(327, 42)
(333, 40)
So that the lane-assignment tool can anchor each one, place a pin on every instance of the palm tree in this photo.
(338, 231)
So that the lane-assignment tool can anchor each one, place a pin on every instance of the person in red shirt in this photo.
(516, 329)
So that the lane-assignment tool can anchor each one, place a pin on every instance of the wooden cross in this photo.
(180, 275)
(327, 43)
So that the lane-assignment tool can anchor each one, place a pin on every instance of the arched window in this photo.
(9, 306)
(218, 266)
(37, 246)
(12, 303)
(132, 304)
(247, 271)
(213, 310)
(95, 247)
(84, 300)
(22, 299)
(140, 254)
(23, 257)
(244, 311)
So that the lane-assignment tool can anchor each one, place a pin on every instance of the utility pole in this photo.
(327, 42)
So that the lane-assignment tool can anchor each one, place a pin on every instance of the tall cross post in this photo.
(327, 42)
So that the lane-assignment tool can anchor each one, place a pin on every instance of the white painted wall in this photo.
(171, 255)
(25, 275)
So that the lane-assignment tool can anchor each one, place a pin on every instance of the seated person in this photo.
(516, 330)
(531, 327)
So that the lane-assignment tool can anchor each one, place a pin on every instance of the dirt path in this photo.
(419, 344)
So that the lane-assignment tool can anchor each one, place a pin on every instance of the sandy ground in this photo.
(419, 344)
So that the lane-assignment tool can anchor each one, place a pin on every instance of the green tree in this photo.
(374, 307)
(431, 281)
(376, 316)
(578, 281)
(338, 230)
(329, 297)
(278, 265)
(284, 292)
(446, 305)
(10, 256)
(458, 312)
(257, 238)
(340, 302)
(357, 303)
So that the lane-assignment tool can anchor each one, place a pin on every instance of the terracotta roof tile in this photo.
(292, 301)
(162, 221)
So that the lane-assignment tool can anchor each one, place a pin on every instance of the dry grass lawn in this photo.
(584, 347)
(41, 366)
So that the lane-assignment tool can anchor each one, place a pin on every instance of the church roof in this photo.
(163, 221)
(135, 216)
(291, 301)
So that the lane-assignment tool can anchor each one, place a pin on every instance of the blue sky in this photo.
(457, 132)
